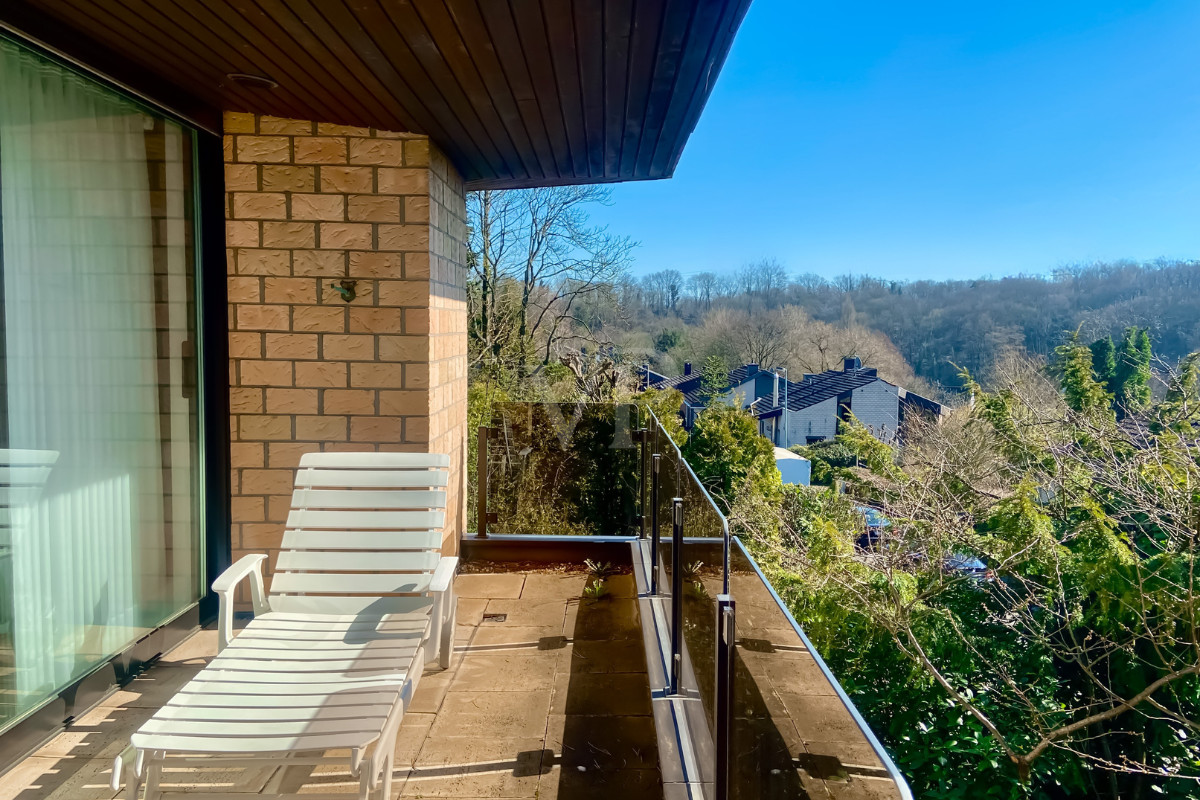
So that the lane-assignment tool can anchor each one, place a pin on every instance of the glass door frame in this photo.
(212, 480)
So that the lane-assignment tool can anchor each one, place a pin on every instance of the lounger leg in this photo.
(385, 792)
(447, 632)
(153, 776)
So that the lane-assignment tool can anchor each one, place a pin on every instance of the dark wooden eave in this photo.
(517, 92)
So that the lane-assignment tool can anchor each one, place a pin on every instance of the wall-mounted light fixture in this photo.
(251, 81)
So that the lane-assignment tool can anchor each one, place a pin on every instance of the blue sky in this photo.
(937, 140)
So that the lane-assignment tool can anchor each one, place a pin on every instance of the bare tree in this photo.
(703, 287)
(540, 242)
(663, 290)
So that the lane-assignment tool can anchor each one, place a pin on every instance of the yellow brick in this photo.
(318, 206)
(373, 208)
(380, 152)
(254, 261)
(269, 481)
(403, 181)
(416, 376)
(416, 266)
(241, 177)
(288, 178)
(238, 122)
(347, 179)
(244, 344)
(402, 403)
(262, 318)
(320, 374)
(319, 319)
(376, 320)
(376, 265)
(246, 454)
(416, 429)
(245, 400)
(376, 429)
(290, 290)
(329, 129)
(290, 127)
(242, 233)
(297, 235)
(244, 290)
(320, 150)
(416, 320)
(376, 376)
(345, 235)
(263, 427)
(291, 345)
(263, 149)
(403, 293)
(348, 347)
(349, 401)
(416, 153)
(326, 263)
(292, 401)
(331, 428)
(259, 205)
(404, 237)
(403, 348)
(266, 373)
(416, 209)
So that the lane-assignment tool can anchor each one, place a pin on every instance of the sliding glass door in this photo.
(99, 527)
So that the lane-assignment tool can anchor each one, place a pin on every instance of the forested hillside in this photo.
(968, 322)
(549, 290)
(936, 325)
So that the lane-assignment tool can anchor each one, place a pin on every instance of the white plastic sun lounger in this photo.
(361, 598)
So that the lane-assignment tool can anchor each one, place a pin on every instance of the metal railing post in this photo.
(726, 638)
(656, 460)
(481, 462)
(676, 594)
(643, 435)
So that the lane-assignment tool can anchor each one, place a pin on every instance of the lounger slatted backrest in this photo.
(364, 532)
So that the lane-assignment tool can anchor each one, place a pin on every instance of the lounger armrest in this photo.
(443, 574)
(245, 567)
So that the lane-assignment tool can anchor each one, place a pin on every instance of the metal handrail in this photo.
(716, 509)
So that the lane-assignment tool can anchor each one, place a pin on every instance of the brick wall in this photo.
(310, 205)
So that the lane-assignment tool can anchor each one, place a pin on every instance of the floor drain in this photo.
(495, 617)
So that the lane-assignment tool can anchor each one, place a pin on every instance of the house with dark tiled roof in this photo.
(805, 411)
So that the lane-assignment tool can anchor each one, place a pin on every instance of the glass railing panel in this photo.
(563, 469)
(792, 730)
(668, 489)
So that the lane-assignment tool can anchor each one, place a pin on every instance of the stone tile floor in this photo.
(549, 701)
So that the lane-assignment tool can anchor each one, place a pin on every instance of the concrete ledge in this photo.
(676, 746)
(547, 549)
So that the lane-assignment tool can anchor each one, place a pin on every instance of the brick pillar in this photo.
(309, 205)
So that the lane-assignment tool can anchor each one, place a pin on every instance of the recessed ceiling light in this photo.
(251, 81)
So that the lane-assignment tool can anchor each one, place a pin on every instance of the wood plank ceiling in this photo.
(517, 92)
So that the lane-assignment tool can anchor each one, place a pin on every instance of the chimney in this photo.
(851, 364)
(751, 369)
(775, 394)
(687, 368)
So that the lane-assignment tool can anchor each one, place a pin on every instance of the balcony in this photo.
(681, 676)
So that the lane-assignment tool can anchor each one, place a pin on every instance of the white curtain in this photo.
(82, 376)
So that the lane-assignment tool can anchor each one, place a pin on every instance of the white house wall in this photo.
(816, 420)
(877, 405)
